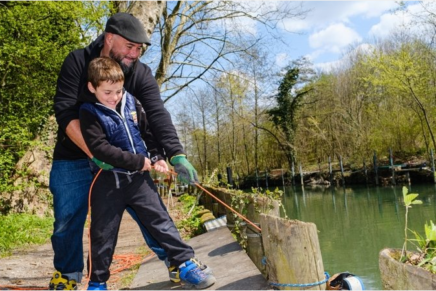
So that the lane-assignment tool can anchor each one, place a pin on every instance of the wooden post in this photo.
(301, 176)
(215, 209)
(374, 158)
(432, 166)
(319, 166)
(283, 181)
(342, 170)
(229, 177)
(330, 171)
(292, 251)
(391, 161)
(254, 239)
(266, 178)
(365, 171)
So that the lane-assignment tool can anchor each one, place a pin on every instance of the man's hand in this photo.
(102, 165)
(161, 166)
(185, 171)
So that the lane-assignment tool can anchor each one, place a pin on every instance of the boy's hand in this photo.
(161, 166)
(147, 165)
(102, 165)
(185, 171)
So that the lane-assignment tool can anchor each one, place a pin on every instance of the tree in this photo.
(259, 72)
(202, 105)
(289, 100)
(407, 73)
(35, 37)
(196, 37)
(233, 89)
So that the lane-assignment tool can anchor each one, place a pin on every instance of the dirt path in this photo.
(33, 267)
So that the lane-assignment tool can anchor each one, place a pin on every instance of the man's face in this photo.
(125, 52)
(108, 93)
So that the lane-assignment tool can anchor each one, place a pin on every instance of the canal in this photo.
(356, 223)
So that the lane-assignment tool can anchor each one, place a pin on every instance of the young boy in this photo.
(113, 125)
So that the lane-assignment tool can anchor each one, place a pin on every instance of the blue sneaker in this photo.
(193, 277)
(173, 271)
(97, 286)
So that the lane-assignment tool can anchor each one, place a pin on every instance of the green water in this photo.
(355, 224)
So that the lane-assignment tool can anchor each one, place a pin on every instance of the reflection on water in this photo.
(355, 224)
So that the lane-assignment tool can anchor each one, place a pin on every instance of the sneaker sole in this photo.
(207, 271)
(209, 281)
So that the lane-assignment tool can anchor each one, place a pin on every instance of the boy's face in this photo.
(107, 93)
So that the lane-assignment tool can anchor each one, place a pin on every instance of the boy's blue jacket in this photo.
(117, 136)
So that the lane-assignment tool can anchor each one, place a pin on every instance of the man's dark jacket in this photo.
(72, 83)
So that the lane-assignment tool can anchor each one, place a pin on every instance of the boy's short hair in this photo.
(104, 69)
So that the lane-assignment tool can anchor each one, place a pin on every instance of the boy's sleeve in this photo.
(100, 147)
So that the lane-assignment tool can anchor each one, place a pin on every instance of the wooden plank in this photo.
(231, 266)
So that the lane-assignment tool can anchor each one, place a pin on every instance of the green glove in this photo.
(102, 165)
(185, 171)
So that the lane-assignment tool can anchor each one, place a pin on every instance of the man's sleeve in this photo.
(153, 147)
(66, 106)
(159, 119)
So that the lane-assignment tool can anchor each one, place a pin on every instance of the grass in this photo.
(190, 226)
(19, 230)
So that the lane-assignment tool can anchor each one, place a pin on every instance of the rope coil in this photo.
(327, 276)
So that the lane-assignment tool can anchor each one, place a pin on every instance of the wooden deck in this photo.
(232, 267)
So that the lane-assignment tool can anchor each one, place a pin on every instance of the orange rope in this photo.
(223, 203)
(122, 262)
(11, 287)
(88, 219)
(126, 261)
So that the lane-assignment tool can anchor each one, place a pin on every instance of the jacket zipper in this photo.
(123, 105)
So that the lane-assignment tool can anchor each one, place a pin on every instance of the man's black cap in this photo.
(127, 26)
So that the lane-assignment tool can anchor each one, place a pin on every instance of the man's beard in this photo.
(127, 69)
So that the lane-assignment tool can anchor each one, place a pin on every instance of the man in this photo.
(70, 176)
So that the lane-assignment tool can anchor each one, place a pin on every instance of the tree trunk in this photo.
(148, 12)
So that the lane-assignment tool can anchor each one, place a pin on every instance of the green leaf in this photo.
(405, 191)
(409, 198)
(430, 231)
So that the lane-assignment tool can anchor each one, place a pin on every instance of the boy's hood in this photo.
(87, 96)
